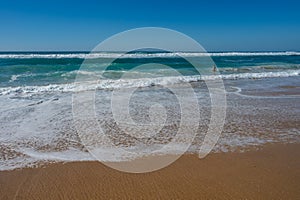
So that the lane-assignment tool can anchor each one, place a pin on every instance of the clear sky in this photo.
(230, 25)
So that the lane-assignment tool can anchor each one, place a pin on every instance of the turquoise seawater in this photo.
(19, 69)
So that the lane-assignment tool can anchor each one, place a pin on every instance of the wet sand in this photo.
(272, 172)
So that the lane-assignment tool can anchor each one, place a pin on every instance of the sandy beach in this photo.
(271, 172)
(105, 100)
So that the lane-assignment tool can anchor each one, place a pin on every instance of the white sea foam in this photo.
(140, 55)
(142, 82)
(14, 78)
(39, 130)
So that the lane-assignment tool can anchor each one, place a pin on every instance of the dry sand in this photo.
(272, 172)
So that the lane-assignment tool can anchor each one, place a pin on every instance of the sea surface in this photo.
(36, 121)
(56, 68)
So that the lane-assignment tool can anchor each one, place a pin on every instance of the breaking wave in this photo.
(142, 82)
(139, 55)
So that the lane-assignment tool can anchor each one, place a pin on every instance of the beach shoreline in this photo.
(42, 156)
(271, 172)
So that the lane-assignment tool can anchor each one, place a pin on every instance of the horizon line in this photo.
(89, 51)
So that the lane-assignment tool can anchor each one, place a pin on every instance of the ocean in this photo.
(57, 68)
(36, 100)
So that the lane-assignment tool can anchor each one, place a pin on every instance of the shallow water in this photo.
(36, 116)
(39, 127)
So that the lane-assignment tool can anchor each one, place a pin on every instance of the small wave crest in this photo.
(143, 82)
(139, 55)
(14, 78)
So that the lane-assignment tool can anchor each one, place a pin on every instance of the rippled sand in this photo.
(273, 172)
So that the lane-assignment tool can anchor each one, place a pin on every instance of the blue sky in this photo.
(217, 25)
